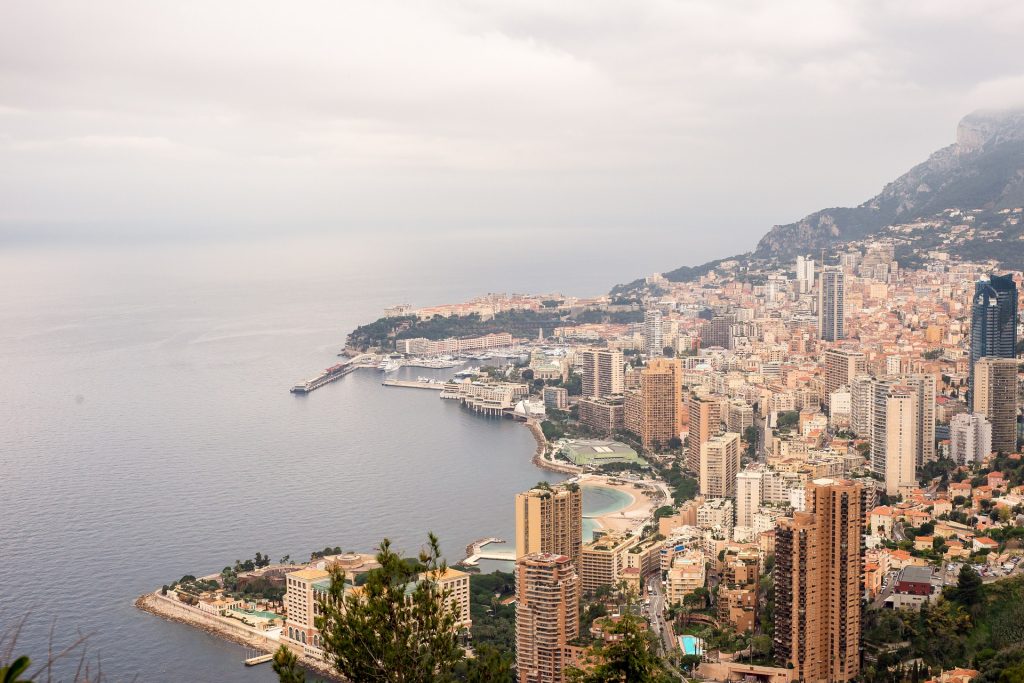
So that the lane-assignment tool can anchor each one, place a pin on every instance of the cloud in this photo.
(661, 117)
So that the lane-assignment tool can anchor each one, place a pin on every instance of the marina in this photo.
(421, 383)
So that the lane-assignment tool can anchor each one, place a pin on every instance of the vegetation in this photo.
(494, 624)
(286, 666)
(788, 419)
(399, 628)
(629, 659)
(684, 487)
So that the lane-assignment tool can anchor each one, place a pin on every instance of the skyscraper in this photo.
(993, 321)
(995, 397)
(654, 411)
(894, 435)
(547, 616)
(653, 332)
(924, 386)
(749, 494)
(818, 583)
(603, 373)
(831, 308)
(842, 366)
(719, 465)
(550, 520)
(705, 415)
(804, 273)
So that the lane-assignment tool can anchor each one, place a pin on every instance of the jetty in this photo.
(475, 552)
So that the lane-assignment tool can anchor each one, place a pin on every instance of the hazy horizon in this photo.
(692, 127)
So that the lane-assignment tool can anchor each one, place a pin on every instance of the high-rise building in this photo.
(995, 397)
(737, 593)
(993, 321)
(653, 332)
(718, 331)
(739, 416)
(831, 304)
(924, 386)
(749, 495)
(602, 561)
(603, 416)
(547, 616)
(603, 372)
(804, 273)
(818, 584)
(550, 520)
(970, 438)
(686, 574)
(862, 405)
(842, 366)
(654, 411)
(719, 465)
(705, 415)
(894, 434)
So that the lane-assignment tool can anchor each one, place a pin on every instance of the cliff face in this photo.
(983, 169)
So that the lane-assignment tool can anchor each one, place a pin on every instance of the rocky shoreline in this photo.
(542, 446)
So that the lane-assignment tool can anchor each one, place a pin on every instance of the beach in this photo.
(644, 501)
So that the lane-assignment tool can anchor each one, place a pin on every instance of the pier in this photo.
(475, 552)
(413, 384)
(258, 659)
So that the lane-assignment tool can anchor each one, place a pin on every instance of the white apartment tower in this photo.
(653, 332)
(970, 438)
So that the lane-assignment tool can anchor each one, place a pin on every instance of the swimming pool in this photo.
(691, 645)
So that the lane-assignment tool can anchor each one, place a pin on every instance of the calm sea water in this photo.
(146, 430)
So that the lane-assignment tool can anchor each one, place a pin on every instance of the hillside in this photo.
(972, 184)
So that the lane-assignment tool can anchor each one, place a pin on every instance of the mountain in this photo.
(981, 174)
(983, 169)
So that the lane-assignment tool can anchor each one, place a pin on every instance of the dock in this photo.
(413, 384)
(259, 659)
(475, 552)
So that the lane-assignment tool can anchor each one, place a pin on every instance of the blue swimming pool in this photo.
(691, 645)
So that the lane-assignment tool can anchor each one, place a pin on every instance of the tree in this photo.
(286, 666)
(969, 587)
(630, 659)
(489, 666)
(668, 352)
(11, 672)
(399, 627)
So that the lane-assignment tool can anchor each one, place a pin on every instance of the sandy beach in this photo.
(635, 514)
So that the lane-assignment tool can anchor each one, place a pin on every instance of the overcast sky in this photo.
(686, 123)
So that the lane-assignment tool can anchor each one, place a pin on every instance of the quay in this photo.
(259, 659)
(332, 374)
(413, 384)
(475, 552)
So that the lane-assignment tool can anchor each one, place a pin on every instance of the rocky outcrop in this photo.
(983, 169)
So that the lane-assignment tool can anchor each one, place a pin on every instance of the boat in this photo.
(468, 372)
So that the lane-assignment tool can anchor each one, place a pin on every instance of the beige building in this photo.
(818, 583)
(705, 421)
(739, 416)
(603, 372)
(995, 397)
(924, 386)
(550, 520)
(547, 616)
(302, 590)
(737, 593)
(602, 561)
(842, 366)
(719, 465)
(654, 412)
(749, 495)
(686, 575)
(716, 512)
(901, 439)
(603, 416)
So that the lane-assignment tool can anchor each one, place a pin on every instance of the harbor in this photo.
(421, 383)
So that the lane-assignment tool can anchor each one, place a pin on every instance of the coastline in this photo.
(542, 447)
(635, 514)
(237, 633)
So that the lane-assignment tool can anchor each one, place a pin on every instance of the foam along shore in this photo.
(634, 514)
(228, 629)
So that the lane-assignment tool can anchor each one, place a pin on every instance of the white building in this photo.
(970, 438)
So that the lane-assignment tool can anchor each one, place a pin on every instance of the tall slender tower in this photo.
(653, 333)
(995, 384)
(705, 422)
(993, 321)
(603, 373)
(831, 311)
(719, 465)
(550, 520)
(654, 412)
(842, 366)
(818, 583)
(924, 385)
(547, 616)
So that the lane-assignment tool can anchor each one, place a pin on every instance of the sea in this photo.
(147, 430)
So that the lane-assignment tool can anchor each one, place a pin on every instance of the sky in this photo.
(685, 127)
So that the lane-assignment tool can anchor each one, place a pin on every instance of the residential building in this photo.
(654, 411)
(547, 616)
(970, 438)
(894, 434)
(719, 465)
(705, 421)
(556, 397)
(716, 512)
(842, 366)
(602, 561)
(653, 333)
(550, 520)
(739, 416)
(924, 386)
(993, 323)
(603, 372)
(737, 593)
(687, 574)
(831, 304)
(749, 496)
(818, 584)
(995, 397)
(603, 416)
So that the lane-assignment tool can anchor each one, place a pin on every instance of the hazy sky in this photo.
(693, 124)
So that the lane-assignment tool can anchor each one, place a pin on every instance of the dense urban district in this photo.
(822, 452)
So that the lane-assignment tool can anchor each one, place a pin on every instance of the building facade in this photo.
(995, 397)
(719, 465)
(550, 520)
(831, 304)
(547, 616)
(993, 322)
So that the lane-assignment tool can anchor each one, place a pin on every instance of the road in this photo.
(656, 612)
